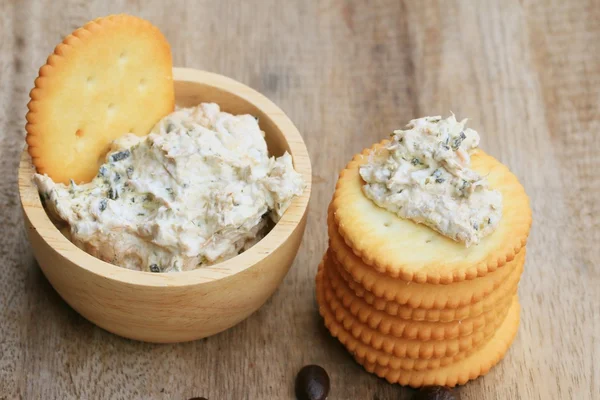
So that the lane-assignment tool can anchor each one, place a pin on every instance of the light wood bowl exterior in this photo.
(183, 306)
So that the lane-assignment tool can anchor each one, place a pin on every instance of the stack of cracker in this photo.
(411, 305)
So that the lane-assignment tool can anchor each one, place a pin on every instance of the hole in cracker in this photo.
(79, 133)
(111, 107)
(142, 84)
(387, 224)
(122, 57)
(90, 80)
(428, 240)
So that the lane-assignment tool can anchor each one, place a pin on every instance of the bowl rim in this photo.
(35, 213)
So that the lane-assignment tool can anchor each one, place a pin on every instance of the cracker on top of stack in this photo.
(427, 239)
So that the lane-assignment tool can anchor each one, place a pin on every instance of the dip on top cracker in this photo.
(199, 189)
(423, 174)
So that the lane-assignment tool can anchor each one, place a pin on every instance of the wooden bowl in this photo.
(177, 307)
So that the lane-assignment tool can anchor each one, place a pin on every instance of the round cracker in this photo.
(475, 363)
(406, 328)
(403, 249)
(382, 358)
(379, 308)
(412, 294)
(458, 373)
(397, 352)
(111, 77)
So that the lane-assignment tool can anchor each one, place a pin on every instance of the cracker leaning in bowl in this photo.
(205, 190)
(427, 239)
(199, 189)
(110, 77)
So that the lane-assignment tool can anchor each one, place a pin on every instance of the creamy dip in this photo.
(423, 174)
(199, 189)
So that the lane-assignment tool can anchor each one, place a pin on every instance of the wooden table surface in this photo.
(527, 73)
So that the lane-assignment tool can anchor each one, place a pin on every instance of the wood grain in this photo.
(190, 305)
(527, 73)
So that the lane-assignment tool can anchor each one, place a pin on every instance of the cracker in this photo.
(491, 302)
(111, 77)
(378, 357)
(406, 328)
(403, 249)
(412, 294)
(471, 367)
(393, 351)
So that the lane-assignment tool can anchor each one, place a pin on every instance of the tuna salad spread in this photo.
(423, 174)
(199, 189)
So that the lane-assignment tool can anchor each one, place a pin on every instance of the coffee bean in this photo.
(434, 393)
(312, 383)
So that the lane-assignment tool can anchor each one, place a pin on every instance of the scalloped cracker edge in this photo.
(376, 304)
(409, 251)
(412, 294)
(397, 352)
(410, 329)
(471, 367)
(384, 359)
(110, 77)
